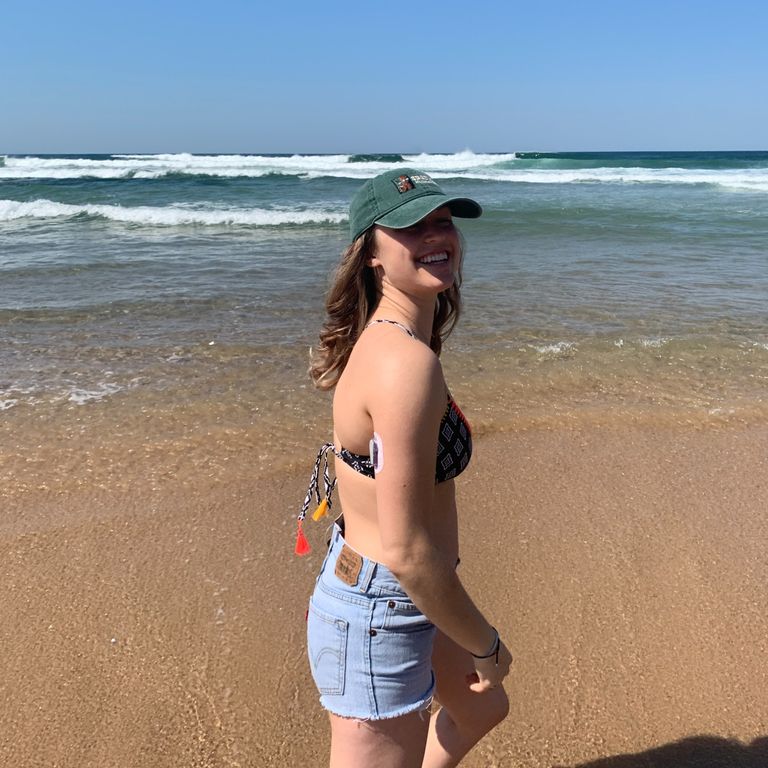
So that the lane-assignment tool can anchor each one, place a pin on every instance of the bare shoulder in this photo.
(398, 368)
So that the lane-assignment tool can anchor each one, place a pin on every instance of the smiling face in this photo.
(420, 259)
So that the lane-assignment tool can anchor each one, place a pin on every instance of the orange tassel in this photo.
(321, 511)
(302, 545)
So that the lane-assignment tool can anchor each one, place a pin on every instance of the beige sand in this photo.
(626, 568)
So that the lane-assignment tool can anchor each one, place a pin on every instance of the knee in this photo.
(485, 712)
(498, 708)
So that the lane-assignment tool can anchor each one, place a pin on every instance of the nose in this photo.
(431, 231)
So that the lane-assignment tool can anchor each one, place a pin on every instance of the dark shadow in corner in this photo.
(695, 752)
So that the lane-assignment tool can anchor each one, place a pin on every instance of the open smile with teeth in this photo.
(434, 258)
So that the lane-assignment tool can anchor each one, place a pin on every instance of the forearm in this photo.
(431, 581)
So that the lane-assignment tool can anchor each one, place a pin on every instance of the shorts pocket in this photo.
(401, 654)
(327, 650)
(401, 615)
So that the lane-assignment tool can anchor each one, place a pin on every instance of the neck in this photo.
(416, 315)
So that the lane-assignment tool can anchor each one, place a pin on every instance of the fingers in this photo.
(475, 683)
(479, 681)
(481, 684)
(488, 674)
(482, 687)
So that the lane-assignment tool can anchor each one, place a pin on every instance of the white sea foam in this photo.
(7, 404)
(555, 350)
(82, 396)
(465, 164)
(310, 166)
(756, 180)
(172, 215)
(654, 342)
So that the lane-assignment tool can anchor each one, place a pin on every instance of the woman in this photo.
(390, 626)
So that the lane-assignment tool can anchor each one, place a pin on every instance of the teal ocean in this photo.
(596, 285)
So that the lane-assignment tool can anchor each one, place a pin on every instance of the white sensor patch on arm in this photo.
(376, 452)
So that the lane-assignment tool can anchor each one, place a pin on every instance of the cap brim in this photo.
(415, 210)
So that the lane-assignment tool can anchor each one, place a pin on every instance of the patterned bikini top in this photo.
(454, 440)
(454, 447)
(454, 450)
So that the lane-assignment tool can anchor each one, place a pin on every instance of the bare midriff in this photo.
(357, 499)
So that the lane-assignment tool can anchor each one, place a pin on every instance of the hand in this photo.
(488, 675)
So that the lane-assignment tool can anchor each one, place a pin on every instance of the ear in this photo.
(372, 261)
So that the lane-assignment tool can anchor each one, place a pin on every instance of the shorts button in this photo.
(373, 633)
(391, 603)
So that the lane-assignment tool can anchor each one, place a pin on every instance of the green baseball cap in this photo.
(400, 198)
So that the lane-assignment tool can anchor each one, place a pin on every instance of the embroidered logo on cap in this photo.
(406, 183)
(403, 184)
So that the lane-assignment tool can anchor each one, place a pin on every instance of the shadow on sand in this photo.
(695, 752)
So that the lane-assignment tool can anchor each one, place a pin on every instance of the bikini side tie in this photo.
(323, 504)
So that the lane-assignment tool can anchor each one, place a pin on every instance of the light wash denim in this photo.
(370, 647)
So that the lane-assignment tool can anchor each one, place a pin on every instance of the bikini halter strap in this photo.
(402, 327)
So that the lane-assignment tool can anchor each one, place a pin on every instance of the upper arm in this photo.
(406, 405)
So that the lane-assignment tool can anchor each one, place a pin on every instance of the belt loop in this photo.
(366, 576)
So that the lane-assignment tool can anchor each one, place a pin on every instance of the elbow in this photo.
(406, 562)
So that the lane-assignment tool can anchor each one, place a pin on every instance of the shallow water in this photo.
(158, 310)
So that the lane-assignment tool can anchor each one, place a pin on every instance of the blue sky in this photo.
(366, 76)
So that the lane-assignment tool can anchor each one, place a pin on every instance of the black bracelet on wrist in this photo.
(494, 648)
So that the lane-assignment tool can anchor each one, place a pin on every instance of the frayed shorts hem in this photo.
(420, 706)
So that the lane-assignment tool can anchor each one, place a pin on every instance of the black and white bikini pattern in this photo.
(454, 449)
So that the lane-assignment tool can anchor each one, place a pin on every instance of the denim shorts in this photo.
(370, 647)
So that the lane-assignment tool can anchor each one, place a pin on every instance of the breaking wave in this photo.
(747, 171)
(168, 216)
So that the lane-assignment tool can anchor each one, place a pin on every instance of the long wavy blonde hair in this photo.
(351, 300)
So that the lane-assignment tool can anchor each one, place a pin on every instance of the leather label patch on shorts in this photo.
(348, 566)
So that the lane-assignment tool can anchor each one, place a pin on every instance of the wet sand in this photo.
(162, 624)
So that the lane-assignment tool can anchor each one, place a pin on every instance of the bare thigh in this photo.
(397, 742)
